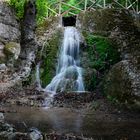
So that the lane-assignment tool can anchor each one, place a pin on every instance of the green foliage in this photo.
(42, 7)
(18, 5)
(47, 8)
(113, 99)
(50, 59)
(68, 8)
(102, 54)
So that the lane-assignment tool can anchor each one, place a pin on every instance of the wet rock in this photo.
(57, 136)
(6, 131)
(2, 67)
(1, 117)
(72, 99)
(20, 136)
(35, 134)
(8, 127)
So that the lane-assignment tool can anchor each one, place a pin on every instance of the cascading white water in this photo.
(69, 73)
(38, 82)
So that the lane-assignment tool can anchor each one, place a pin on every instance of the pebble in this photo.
(35, 134)
(1, 117)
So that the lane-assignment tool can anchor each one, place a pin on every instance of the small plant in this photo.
(112, 99)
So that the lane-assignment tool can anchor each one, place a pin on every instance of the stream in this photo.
(72, 121)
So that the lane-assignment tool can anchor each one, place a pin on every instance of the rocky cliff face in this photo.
(123, 81)
(15, 61)
(9, 43)
(9, 34)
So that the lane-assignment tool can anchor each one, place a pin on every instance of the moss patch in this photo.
(101, 55)
(12, 49)
(49, 58)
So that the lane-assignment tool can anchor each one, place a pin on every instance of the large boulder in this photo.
(123, 83)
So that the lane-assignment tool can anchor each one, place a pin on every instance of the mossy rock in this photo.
(121, 84)
(106, 20)
(97, 57)
(49, 57)
(12, 50)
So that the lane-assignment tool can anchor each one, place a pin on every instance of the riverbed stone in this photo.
(35, 134)
(3, 67)
(1, 117)
(72, 99)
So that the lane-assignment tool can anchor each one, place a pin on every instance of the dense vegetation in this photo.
(44, 7)
(47, 8)
(41, 5)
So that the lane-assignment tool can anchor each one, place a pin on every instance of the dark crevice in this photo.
(69, 21)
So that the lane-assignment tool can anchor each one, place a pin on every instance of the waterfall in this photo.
(68, 73)
(38, 82)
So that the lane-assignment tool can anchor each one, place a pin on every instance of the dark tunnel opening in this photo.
(69, 21)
